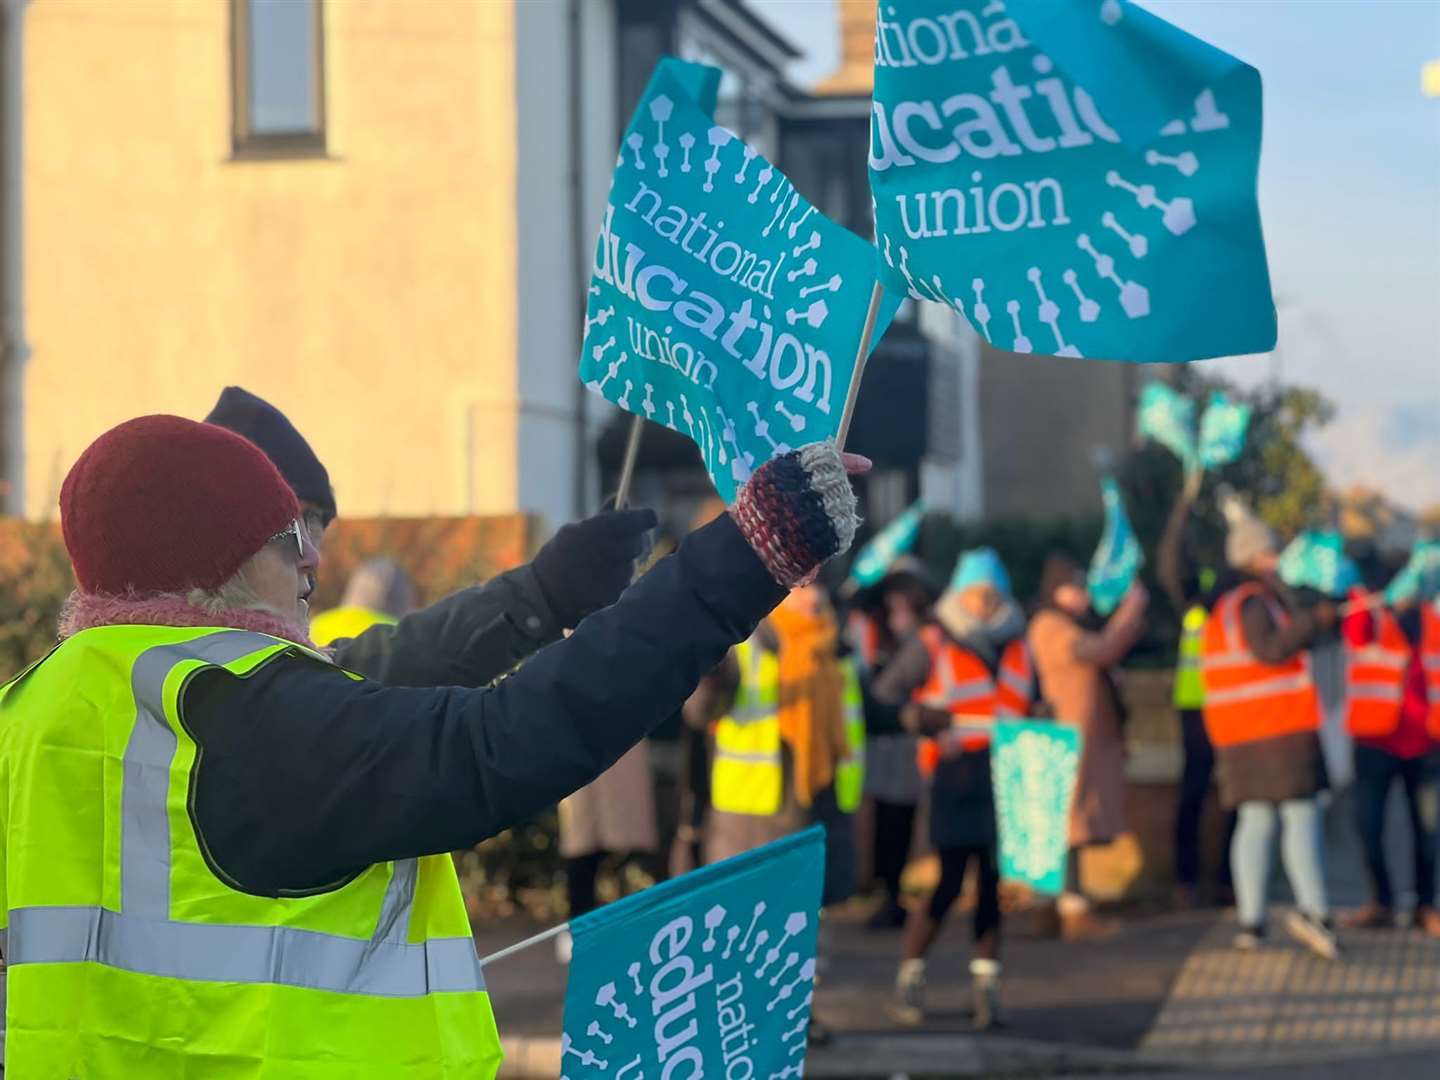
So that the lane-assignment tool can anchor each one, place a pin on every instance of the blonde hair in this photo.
(237, 594)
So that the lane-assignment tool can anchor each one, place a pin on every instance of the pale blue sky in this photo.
(1350, 198)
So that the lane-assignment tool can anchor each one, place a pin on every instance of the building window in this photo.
(278, 49)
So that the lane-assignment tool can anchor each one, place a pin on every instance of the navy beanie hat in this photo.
(267, 427)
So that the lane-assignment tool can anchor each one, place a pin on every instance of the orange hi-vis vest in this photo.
(1246, 700)
(1430, 662)
(963, 686)
(1375, 680)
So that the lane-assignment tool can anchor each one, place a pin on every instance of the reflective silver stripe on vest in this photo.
(144, 833)
(1375, 691)
(749, 757)
(1266, 688)
(1430, 662)
(955, 693)
(280, 955)
(1020, 684)
(145, 873)
(751, 715)
(1378, 656)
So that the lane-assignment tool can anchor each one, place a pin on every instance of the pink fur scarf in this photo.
(83, 611)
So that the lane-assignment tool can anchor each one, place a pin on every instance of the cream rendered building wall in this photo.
(371, 295)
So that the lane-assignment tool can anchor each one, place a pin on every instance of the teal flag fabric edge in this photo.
(1137, 48)
(810, 841)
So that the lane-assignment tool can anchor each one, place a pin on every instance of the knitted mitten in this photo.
(797, 511)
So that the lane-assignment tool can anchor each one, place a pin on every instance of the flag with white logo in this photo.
(876, 557)
(722, 304)
(1223, 427)
(1168, 417)
(1316, 560)
(1033, 766)
(1118, 558)
(1074, 177)
(709, 974)
(1419, 579)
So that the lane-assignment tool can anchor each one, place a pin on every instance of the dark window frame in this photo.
(248, 144)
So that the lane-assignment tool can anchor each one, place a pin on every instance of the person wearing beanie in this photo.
(967, 666)
(1262, 714)
(225, 853)
(477, 634)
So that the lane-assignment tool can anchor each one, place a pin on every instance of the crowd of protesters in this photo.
(795, 706)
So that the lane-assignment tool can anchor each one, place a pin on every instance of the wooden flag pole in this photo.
(627, 466)
(872, 313)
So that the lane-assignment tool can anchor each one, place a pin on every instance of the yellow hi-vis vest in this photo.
(1189, 683)
(131, 955)
(850, 773)
(346, 622)
(748, 775)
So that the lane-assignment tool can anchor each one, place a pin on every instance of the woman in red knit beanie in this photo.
(169, 522)
(224, 853)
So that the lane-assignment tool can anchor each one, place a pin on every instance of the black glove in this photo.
(587, 564)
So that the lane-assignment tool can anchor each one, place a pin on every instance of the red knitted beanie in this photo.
(163, 504)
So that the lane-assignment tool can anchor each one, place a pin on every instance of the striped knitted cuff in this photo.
(797, 511)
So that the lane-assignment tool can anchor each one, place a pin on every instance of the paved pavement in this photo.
(1167, 993)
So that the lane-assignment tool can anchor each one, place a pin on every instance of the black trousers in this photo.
(953, 861)
(1375, 772)
(894, 828)
(1194, 786)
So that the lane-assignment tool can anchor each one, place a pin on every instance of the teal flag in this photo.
(1419, 579)
(1118, 558)
(709, 974)
(1316, 560)
(722, 304)
(1222, 431)
(1033, 767)
(1075, 177)
(876, 557)
(1168, 417)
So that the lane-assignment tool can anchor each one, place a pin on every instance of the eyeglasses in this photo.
(292, 533)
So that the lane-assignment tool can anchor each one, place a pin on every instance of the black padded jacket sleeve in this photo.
(306, 776)
(468, 639)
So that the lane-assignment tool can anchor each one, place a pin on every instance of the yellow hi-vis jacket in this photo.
(132, 955)
(748, 773)
(1189, 681)
(338, 623)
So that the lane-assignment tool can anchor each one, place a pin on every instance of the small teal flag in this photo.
(1168, 417)
(1222, 431)
(709, 974)
(1118, 558)
(1033, 768)
(1075, 177)
(1316, 560)
(876, 557)
(1419, 579)
(722, 304)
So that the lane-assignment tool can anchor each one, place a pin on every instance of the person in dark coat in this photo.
(1191, 592)
(473, 636)
(305, 776)
(881, 619)
(967, 666)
